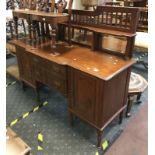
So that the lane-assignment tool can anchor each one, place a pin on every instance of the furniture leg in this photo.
(47, 30)
(72, 32)
(38, 29)
(29, 29)
(129, 106)
(16, 27)
(24, 27)
(23, 85)
(53, 34)
(42, 29)
(63, 32)
(84, 35)
(138, 98)
(60, 33)
(71, 119)
(11, 30)
(99, 138)
(34, 30)
(121, 117)
(37, 94)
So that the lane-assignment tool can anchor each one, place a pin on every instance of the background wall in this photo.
(102, 2)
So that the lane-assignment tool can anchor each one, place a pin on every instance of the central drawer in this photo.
(50, 73)
(49, 66)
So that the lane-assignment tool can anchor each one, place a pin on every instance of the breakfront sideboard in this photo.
(94, 82)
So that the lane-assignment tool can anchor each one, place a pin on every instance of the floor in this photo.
(133, 141)
(52, 122)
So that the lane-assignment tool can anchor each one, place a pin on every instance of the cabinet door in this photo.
(24, 64)
(83, 95)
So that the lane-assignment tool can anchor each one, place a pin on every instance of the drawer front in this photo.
(25, 66)
(50, 80)
(57, 83)
(49, 73)
(50, 67)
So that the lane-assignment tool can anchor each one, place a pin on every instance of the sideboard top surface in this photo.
(39, 13)
(100, 65)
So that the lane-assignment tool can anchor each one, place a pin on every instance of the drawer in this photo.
(49, 66)
(57, 83)
(42, 75)
(57, 70)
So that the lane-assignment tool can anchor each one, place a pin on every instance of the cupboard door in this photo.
(83, 95)
(24, 64)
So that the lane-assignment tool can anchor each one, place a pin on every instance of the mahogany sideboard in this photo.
(95, 83)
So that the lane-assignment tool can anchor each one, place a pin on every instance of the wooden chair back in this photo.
(143, 20)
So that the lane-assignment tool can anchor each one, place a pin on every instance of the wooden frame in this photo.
(117, 21)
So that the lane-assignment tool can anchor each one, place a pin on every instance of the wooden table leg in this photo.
(73, 32)
(129, 106)
(60, 34)
(34, 31)
(84, 35)
(11, 30)
(53, 35)
(42, 29)
(16, 27)
(23, 24)
(138, 98)
(99, 138)
(121, 117)
(47, 31)
(23, 85)
(37, 94)
(71, 119)
(38, 29)
(29, 29)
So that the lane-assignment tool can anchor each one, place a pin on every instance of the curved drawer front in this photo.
(49, 66)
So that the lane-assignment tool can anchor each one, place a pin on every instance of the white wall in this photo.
(102, 2)
(76, 4)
